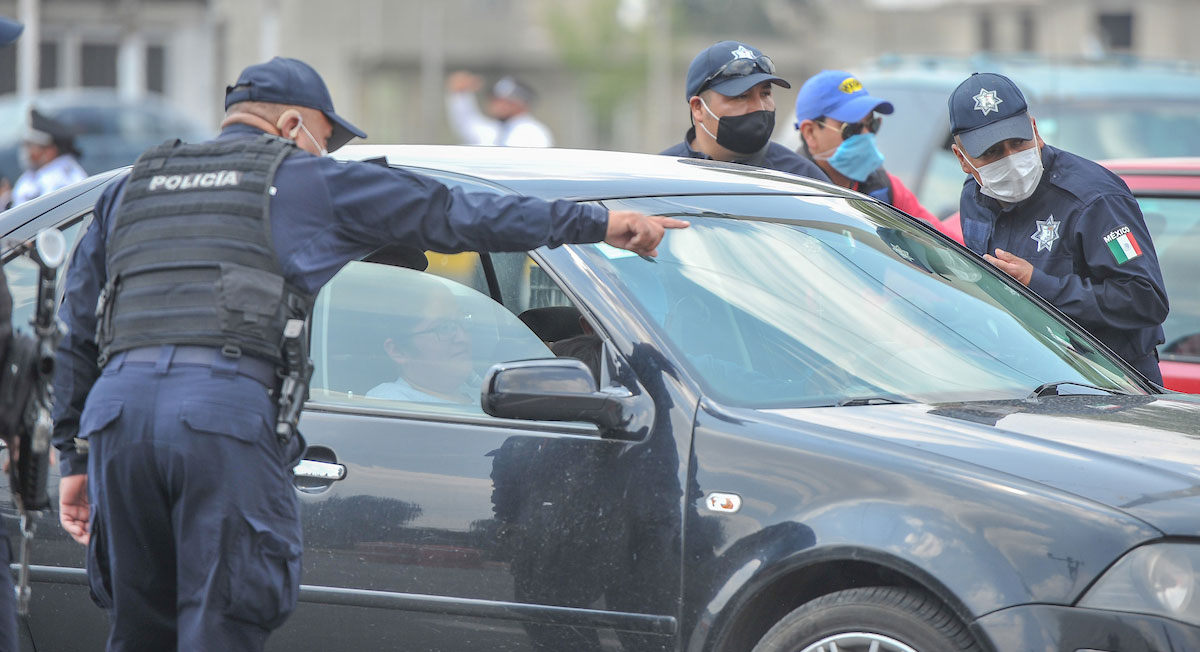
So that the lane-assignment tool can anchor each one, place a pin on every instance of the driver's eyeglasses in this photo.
(854, 128)
(739, 68)
(446, 329)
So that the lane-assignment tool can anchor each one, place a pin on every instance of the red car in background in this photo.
(1168, 190)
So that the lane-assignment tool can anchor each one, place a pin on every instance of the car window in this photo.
(22, 275)
(851, 302)
(390, 337)
(1174, 224)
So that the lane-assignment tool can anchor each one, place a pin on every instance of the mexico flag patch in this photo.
(1123, 245)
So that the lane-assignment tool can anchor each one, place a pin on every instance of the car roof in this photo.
(1188, 166)
(588, 174)
(1165, 177)
(1042, 78)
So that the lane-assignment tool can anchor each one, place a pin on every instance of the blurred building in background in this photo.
(609, 73)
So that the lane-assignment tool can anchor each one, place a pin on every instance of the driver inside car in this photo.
(431, 347)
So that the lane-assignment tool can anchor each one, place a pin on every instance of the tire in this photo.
(897, 620)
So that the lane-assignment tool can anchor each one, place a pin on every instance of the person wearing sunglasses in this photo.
(729, 95)
(1061, 225)
(837, 121)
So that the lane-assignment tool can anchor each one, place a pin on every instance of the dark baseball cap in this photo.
(291, 81)
(839, 95)
(988, 108)
(711, 69)
(9, 30)
(41, 129)
(511, 88)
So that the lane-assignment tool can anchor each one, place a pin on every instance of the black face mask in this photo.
(744, 134)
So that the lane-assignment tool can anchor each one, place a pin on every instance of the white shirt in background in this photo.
(475, 128)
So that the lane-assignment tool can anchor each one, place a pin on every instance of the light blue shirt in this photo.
(401, 390)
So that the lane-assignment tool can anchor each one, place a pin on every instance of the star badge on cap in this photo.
(987, 101)
(1046, 233)
(742, 53)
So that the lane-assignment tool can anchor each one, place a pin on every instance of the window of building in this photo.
(987, 32)
(1116, 31)
(99, 65)
(48, 65)
(1027, 26)
(8, 70)
(155, 64)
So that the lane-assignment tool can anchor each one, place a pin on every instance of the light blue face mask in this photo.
(857, 157)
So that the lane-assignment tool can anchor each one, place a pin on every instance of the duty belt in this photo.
(204, 356)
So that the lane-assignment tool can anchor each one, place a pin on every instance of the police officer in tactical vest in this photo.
(174, 428)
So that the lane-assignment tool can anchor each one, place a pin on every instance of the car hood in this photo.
(1138, 454)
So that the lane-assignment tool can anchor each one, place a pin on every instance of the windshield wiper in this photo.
(868, 400)
(1051, 389)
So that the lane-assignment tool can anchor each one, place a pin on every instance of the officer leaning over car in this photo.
(1062, 225)
(730, 100)
(182, 304)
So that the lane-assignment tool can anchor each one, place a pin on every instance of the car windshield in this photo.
(1174, 224)
(848, 304)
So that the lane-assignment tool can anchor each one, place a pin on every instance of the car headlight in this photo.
(1158, 579)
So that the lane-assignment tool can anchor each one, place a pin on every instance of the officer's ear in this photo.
(962, 161)
(1037, 135)
(696, 107)
(289, 123)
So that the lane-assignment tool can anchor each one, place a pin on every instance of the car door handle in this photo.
(327, 471)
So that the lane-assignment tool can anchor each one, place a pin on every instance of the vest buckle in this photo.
(230, 350)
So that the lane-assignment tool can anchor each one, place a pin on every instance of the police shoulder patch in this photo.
(1122, 245)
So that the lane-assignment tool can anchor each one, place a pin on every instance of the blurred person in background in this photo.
(50, 159)
(733, 111)
(9, 31)
(1061, 225)
(508, 122)
(837, 121)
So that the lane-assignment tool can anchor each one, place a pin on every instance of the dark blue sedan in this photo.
(811, 423)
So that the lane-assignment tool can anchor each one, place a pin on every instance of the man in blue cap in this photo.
(837, 122)
(1060, 224)
(198, 264)
(730, 99)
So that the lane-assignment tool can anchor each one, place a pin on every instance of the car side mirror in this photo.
(552, 389)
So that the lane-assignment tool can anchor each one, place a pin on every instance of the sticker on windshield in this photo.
(1123, 246)
(612, 253)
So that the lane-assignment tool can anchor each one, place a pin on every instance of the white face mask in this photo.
(1012, 178)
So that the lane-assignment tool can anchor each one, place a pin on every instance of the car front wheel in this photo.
(872, 619)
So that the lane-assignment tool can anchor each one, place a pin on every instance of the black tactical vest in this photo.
(189, 255)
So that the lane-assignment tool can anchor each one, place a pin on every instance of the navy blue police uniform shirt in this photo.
(1092, 257)
(324, 214)
(774, 157)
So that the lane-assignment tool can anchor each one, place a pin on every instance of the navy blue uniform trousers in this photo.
(8, 600)
(195, 527)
